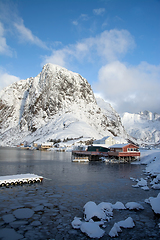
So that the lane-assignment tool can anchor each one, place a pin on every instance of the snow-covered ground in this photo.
(151, 159)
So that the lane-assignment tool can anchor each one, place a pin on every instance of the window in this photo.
(132, 149)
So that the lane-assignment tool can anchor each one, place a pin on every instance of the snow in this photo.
(107, 208)
(150, 158)
(127, 223)
(76, 223)
(145, 188)
(118, 205)
(10, 179)
(115, 230)
(96, 215)
(72, 113)
(155, 203)
(141, 183)
(134, 206)
(144, 126)
(92, 229)
(91, 210)
(156, 186)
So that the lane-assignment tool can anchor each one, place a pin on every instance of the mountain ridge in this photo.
(144, 126)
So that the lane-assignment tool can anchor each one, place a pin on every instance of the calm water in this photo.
(74, 184)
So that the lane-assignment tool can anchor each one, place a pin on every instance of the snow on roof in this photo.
(118, 145)
(121, 145)
(100, 145)
(47, 144)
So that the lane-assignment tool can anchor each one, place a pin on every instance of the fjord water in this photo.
(58, 170)
(66, 187)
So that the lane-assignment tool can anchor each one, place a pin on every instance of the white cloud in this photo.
(131, 88)
(75, 23)
(4, 48)
(9, 15)
(109, 46)
(6, 79)
(26, 35)
(81, 18)
(84, 17)
(99, 11)
(58, 57)
(114, 43)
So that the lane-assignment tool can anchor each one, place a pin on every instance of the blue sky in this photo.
(114, 44)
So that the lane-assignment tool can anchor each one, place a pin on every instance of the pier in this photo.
(19, 179)
(79, 156)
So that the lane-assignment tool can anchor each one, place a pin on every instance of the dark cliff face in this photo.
(32, 103)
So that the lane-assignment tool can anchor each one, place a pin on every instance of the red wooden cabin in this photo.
(124, 150)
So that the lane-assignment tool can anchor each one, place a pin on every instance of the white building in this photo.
(109, 141)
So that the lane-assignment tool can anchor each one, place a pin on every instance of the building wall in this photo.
(110, 141)
(129, 146)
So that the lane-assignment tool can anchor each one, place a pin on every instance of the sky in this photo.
(114, 44)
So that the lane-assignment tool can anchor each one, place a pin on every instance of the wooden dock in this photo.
(110, 156)
(19, 179)
(91, 155)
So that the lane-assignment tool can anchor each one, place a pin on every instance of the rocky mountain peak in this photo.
(55, 93)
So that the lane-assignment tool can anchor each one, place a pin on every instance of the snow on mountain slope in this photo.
(144, 126)
(56, 104)
(112, 115)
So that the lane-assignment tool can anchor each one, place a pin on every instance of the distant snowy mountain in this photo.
(56, 104)
(144, 126)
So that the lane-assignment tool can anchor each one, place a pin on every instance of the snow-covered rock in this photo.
(92, 229)
(141, 183)
(134, 206)
(115, 230)
(76, 223)
(155, 203)
(56, 104)
(118, 205)
(106, 207)
(93, 211)
(127, 223)
(156, 186)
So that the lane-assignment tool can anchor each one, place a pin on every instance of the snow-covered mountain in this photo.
(56, 104)
(144, 126)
